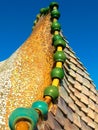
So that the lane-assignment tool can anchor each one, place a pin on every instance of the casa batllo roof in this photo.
(77, 105)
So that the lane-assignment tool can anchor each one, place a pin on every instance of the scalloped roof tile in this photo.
(77, 105)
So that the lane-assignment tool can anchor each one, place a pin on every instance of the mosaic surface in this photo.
(26, 73)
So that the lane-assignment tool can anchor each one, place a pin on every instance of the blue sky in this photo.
(79, 21)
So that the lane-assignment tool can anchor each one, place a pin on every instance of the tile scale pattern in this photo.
(77, 105)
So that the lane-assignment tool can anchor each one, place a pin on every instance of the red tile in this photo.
(96, 117)
(91, 113)
(86, 82)
(60, 117)
(92, 96)
(84, 99)
(97, 98)
(78, 103)
(79, 78)
(74, 127)
(96, 125)
(84, 126)
(80, 65)
(80, 71)
(93, 89)
(84, 118)
(85, 90)
(72, 73)
(72, 106)
(90, 122)
(77, 94)
(92, 104)
(78, 111)
(84, 108)
(76, 121)
(73, 60)
(96, 108)
(78, 86)
(72, 96)
(71, 87)
(70, 126)
(71, 80)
